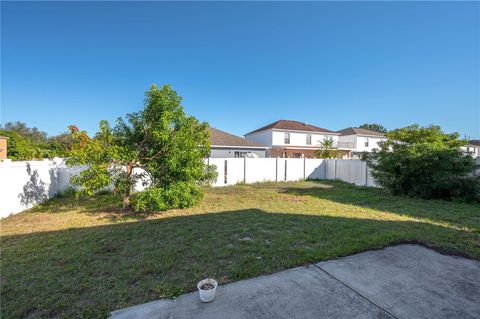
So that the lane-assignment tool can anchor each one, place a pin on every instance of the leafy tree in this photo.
(160, 144)
(19, 148)
(61, 144)
(374, 127)
(327, 149)
(27, 143)
(424, 162)
(33, 134)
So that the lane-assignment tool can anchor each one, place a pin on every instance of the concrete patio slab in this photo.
(296, 293)
(412, 281)
(405, 281)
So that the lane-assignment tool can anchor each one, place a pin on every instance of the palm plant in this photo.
(327, 149)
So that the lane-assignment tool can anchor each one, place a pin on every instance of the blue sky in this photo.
(243, 65)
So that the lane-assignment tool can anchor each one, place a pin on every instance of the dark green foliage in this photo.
(374, 127)
(424, 162)
(177, 195)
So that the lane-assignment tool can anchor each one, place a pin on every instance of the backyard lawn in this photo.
(84, 258)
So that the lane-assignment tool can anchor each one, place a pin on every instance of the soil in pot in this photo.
(207, 286)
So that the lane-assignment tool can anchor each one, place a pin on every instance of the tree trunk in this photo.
(126, 200)
(126, 196)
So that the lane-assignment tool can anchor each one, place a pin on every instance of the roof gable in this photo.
(292, 126)
(474, 142)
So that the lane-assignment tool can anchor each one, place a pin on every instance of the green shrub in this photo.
(177, 195)
(424, 162)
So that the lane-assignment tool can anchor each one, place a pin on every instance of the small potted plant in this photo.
(206, 289)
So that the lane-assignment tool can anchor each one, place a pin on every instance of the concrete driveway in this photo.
(404, 281)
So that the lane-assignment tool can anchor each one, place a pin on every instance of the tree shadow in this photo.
(455, 213)
(91, 271)
(105, 206)
(35, 190)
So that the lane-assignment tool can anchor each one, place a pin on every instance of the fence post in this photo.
(335, 176)
(366, 174)
(304, 162)
(326, 168)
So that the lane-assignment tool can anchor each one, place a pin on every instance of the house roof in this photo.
(292, 126)
(359, 131)
(221, 138)
(474, 142)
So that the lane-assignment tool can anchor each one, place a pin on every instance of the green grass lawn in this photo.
(84, 258)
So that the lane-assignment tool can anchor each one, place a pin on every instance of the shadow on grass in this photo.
(87, 272)
(455, 213)
(106, 206)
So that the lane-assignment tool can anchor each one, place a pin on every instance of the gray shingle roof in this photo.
(359, 131)
(221, 138)
(474, 142)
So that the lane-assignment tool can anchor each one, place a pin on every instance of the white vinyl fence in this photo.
(251, 170)
(25, 184)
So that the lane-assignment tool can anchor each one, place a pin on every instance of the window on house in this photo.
(309, 139)
(238, 154)
(366, 142)
(287, 138)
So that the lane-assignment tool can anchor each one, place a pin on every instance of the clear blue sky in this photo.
(243, 65)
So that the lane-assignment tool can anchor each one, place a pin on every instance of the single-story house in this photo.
(223, 144)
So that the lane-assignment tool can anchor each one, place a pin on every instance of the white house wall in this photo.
(300, 138)
(262, 138)
(359, 142)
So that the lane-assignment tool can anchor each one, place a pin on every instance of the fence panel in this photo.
(352, 171)
(295, 169)
(235, 171)
(25, 184)
(331, 169)
(370, 180)
(260, 170)
(315, 168)
(219, 164)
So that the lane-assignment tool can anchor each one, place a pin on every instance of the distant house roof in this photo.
(474, 142)
(359, 131)
(4, 137)
(292, 126)
(221, 138)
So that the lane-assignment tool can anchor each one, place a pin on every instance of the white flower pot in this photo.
(208, 294)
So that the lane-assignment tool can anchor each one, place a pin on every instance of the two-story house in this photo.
(358, 140)
(287, 138)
